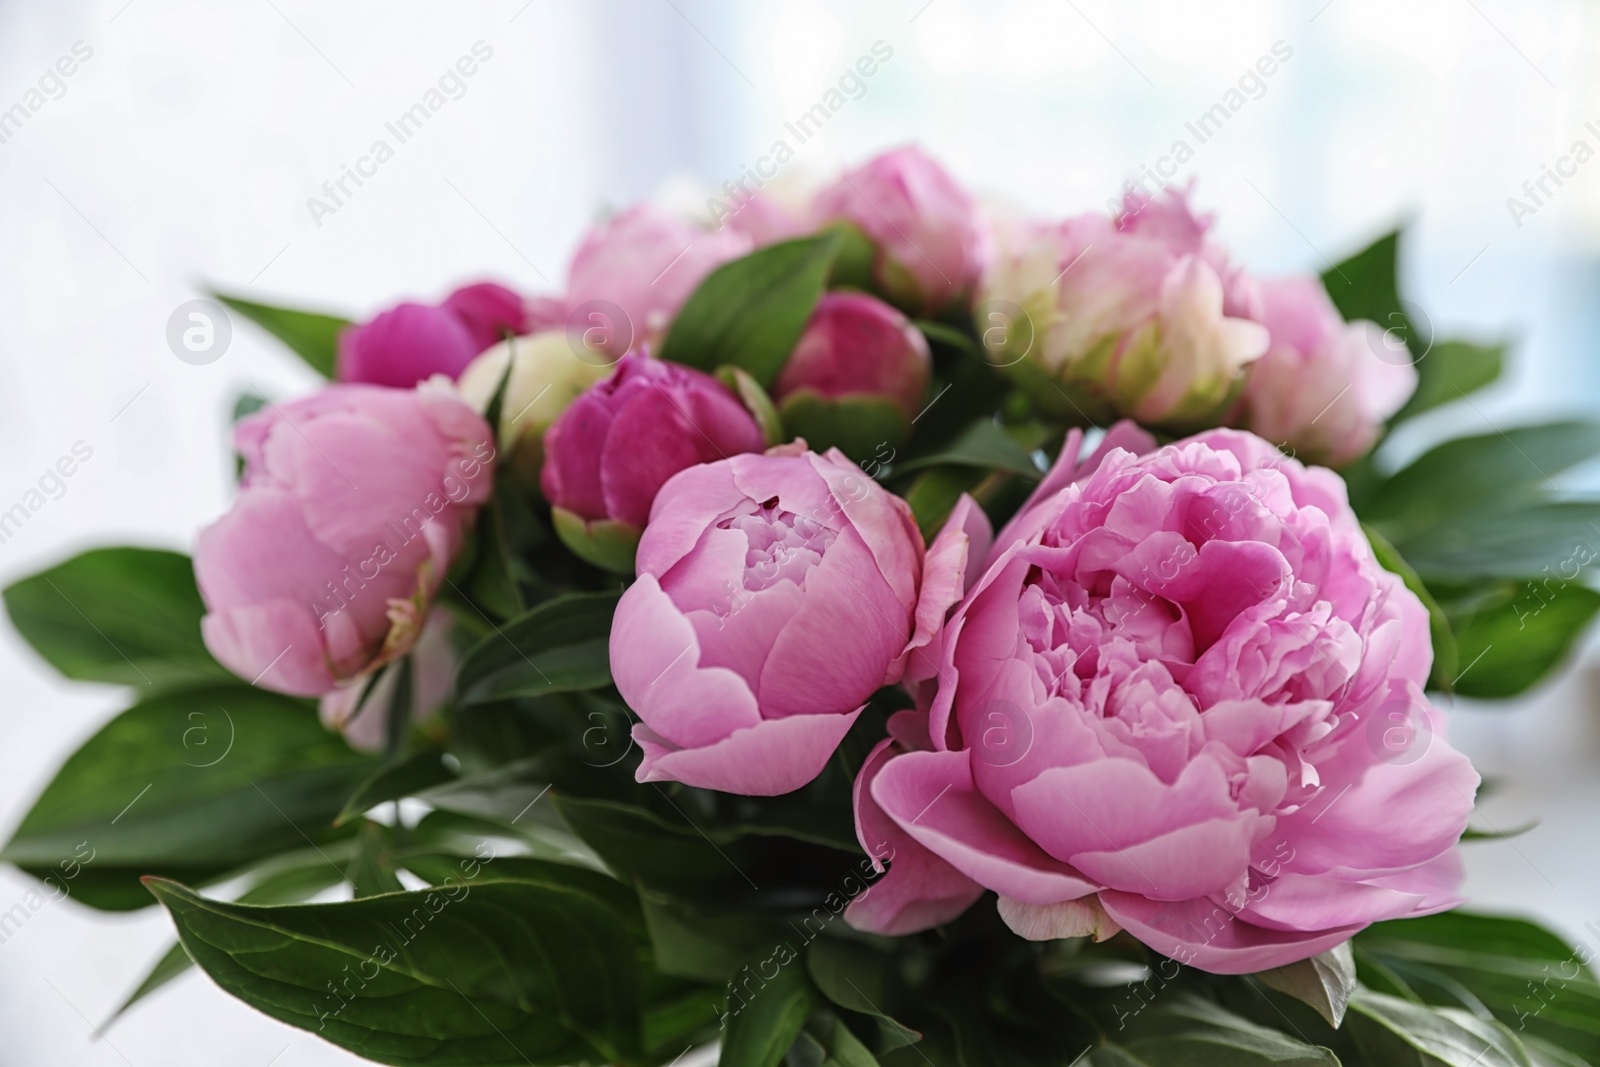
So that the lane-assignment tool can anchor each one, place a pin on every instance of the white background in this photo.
(183, 152)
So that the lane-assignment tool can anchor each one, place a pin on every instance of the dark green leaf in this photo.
(985, 445)
(768, 1002)
(934, 495)
(1534, 541)
(496, 972)
(1509, 643)
(1324, 981)
(1188, 1030)
(200, 782)
(861, 426)
(1449, 371)
(750, 313)
(1491, 472)
(827, 1042)
(395, 781)
(248, 404)
(125, 615)
(558, 646)
(1366, 286)
(372, 869)
(312, 336)
(1395, 1031)
(694, 943)
(854, 976)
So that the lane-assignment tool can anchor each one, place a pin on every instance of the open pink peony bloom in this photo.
(1325, 386)
(1183, 700)
(931, 239)
(412, 342)
(644, 261)
(775, 594)
(353, 504)
(1142, 315)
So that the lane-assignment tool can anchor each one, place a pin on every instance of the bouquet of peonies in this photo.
(876, 630)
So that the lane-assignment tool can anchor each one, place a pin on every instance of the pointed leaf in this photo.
(312, 336)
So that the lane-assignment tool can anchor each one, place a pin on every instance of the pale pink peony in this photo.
(775, 594)
(1325, 386)
(1183, 700)
(645, 261)
(354, 502)
(931, 239)
(1141, 315)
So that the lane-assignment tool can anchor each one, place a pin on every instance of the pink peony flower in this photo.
(775, 594)
(1183, 700)
(856, 345)
(644, 263)
(354, 502)
(1325, 386)
(614, 447)
(412, 342)
(1142, 315)
(931, 240)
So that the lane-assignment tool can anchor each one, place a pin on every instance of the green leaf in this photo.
(746, 866)
(827, 1042)
(985, 445)
(395, 781)
(756, 401)
(1532, 980)
(1188, 1030)
(199, 782)
(312, 336)
(609, 544)
(1508, 644)
(1450, 371)
(952, 337)
(1366, 286)
(934, 494)
(1493, 472)
(694, 943)
(124, 615)
(1395, 1031)
(1324, 981)
(496, 972)
(1446, 656)
(855, 977)
(1533, 541)
(768, 1003)
(558, 646)
(859, 425)
(751, 312)
(288, 884)
(372, 869)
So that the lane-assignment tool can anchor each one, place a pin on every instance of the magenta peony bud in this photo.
(1141, 316)
(1183, 700)
(856, 346)
(618, 443)
(775, 594)
(353, 504)
(644, 262)
(1325, 386)
(412, 342)
(931, 241)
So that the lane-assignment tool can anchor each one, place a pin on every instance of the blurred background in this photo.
(184, 147)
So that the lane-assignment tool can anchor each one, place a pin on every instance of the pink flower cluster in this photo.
(1162, 700)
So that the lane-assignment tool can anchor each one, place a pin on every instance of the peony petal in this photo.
(1206, 935)
(1083, 917)
(930, 795)
(772, 757)
(655, 657)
